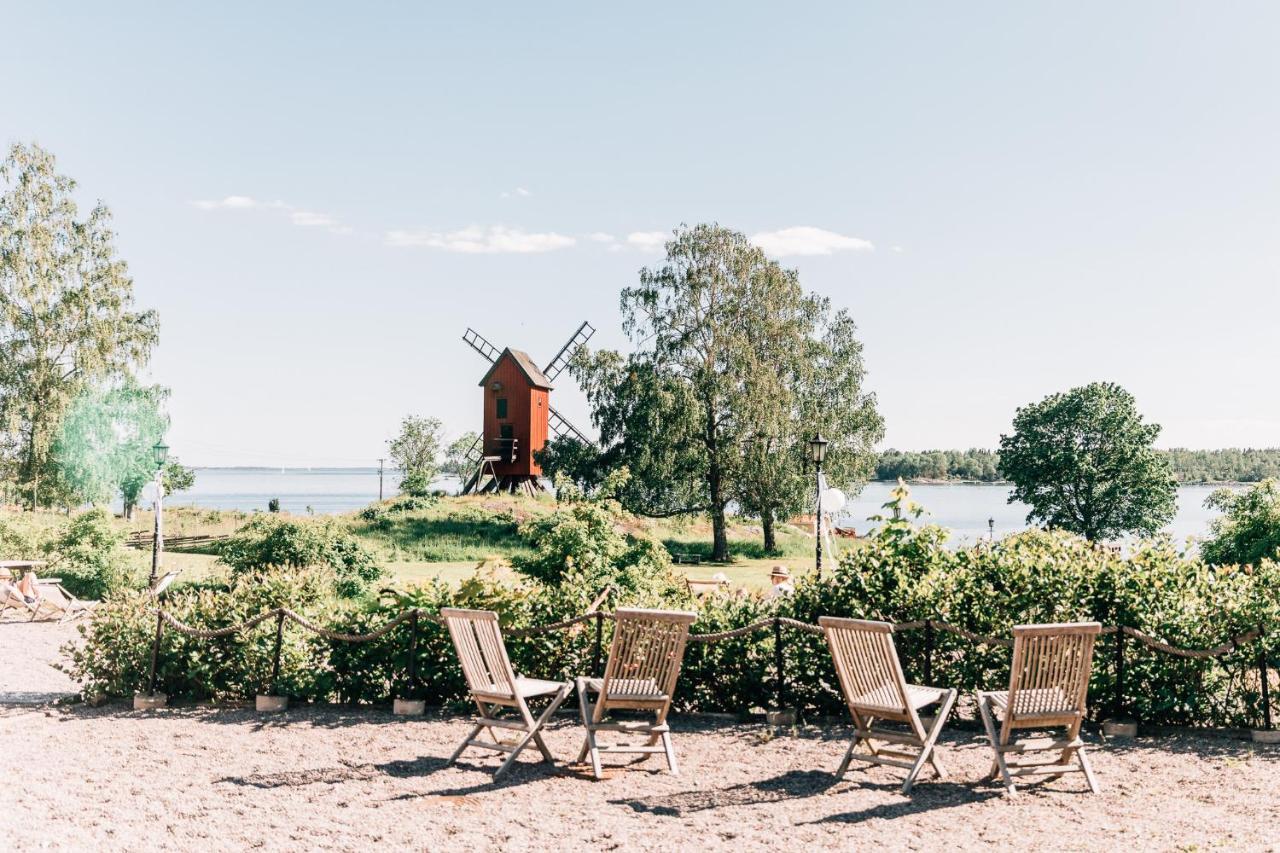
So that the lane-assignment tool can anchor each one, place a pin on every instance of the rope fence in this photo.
(415, 616)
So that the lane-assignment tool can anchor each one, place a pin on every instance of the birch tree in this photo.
(67, 318)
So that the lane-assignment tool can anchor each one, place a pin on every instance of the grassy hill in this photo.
(452, 536)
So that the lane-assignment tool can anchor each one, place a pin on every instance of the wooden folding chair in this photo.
(494, 686)
(644, 663)
(1048, 685)
(875, 689)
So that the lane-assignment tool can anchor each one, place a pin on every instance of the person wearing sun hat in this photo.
(780, 577)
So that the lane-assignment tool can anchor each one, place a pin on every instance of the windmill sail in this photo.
(480, 345)
(562, 427)
(561, 361)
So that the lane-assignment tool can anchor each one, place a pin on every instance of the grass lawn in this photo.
(453, 537)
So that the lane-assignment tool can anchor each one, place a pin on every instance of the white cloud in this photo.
(518, 191)
(897, 250)
(601, 237)
(497, 239)
(231, 202)
(298, 216)
(807, 240)
(647, 239)
(307, 218)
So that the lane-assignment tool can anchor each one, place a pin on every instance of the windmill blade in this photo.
(561, 361)
(480, 345)
(562, 427)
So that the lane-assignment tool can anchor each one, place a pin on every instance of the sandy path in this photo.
(29, 650)
(328, 778)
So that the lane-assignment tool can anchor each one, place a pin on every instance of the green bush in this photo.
(91, 557)
(271, 541)
(86, 551)
(1248, 530)
(903, 573)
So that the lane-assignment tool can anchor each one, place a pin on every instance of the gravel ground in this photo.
(338, 779)
(29, 650)
(329, 778)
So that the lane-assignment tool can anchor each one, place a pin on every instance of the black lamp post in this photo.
(991, 529)
(818, 452)
(160, 454)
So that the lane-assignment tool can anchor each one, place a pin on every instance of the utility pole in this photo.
(380, 463)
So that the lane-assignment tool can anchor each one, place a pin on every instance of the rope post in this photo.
(595, 655)
(275, 660)
(928, 651)
(155, 654)
(1262, 676)
(780, 685)
(1117, 700)
(413, 654)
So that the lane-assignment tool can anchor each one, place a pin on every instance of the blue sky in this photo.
(320, 198)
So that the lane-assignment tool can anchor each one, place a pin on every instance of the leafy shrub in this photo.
(114, 657)
(268, 542)
(903, 573)
(86, 550)
(583, 545)
(1248, 530)
(91, 557)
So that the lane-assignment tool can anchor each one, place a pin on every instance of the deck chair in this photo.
(11, 598)
(55, 600)
(494, 687)
(1048, 683)
(875, 689)
(644, 663)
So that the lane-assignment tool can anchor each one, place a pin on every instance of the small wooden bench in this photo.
(687, 559)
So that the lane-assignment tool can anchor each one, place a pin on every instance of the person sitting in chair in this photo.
(25, 587)
(780, 577)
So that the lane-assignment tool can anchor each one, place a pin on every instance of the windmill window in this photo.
(507, 431)
(502, 407)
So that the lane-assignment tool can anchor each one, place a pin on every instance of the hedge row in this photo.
(904, 574)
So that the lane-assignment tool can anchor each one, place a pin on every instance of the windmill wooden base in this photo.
(513, 484)
(486, 480)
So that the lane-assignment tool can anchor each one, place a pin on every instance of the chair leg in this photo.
(520, 744)
(984, 708)
(927, 746)
(466, 742)
(671, 754)
(589, 742)
(848, 757)
(934, 733)
(1088, 770)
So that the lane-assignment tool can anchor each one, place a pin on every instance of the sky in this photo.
(319, 199)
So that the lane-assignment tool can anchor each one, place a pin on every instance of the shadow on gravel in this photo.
(793, 784)
(1208, 746)
(926, 797)
(346, 772)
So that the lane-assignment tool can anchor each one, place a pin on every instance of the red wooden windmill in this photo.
(518, 417)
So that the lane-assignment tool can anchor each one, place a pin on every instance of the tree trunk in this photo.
(770, 534)
(719, 534)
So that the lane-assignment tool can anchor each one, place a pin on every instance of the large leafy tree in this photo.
(455, 455)
(66, 309)
(823, 392)
(1248, 531)
(416, 452)
(735, 367)
(1084, 461)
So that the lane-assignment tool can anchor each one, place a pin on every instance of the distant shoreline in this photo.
(928, 481)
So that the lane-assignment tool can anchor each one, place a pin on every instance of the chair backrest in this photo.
(867, 663)
(1051, 668)
(478, 640)
(646, 653)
